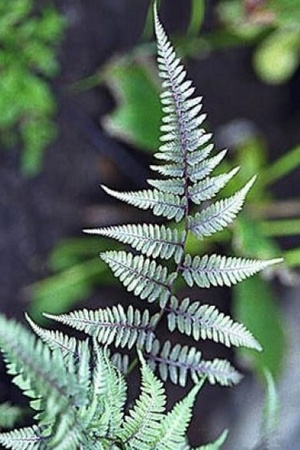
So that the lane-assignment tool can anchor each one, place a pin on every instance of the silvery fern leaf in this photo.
(219, 215)
(177, 362)
(144, 277)
(174, 425)
(151, 240)
(163, 204)
(216, 270)
(209, 187)
(113, 325)
(142, 425)
(30, 438)
(206, 322)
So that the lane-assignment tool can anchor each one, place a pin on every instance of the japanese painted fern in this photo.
(185, 193)
(79, 395)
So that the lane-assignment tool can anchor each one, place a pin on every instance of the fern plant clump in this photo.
(77, 390)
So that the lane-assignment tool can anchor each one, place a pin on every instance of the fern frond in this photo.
(123, 328)
(220, 214)
(177, 362)
(144, 277)
(216, 270)
(142, 424)
(30, 438)
(162, 204)
(175, 424)
(216, 445)
(37, 370)
(209, 187)
(206, 322)
(151, 240)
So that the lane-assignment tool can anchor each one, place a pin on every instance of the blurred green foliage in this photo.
(274, 25)
(28, 42)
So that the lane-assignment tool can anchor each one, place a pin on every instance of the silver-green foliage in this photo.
(80, 397)
(184, 192)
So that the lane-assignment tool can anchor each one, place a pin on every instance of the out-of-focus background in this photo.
(79, 106)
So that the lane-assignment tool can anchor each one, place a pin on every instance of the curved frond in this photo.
(69, 346)
(175, 424)
(209, 187)
(216, 270)
(220, 214)
(113, 325)
(144, 277)
(206, 322)
(151, 240)
(30, 438)
(143, 423)
(163, 204)
(37, 370)
(216, 445)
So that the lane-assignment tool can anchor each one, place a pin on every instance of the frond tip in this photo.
(216, 270)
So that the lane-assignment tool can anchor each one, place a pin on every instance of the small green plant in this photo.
(28, 41)
(79, 395)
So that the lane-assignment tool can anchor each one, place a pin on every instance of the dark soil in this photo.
(36, 213)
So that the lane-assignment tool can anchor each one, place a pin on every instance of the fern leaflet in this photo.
(151, 240)
(216, 270)
(124, 328)
(206, 322)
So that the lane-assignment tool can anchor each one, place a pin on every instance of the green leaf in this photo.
(255, 307)
(196, 17)
(137, 115)
(277, 57)
(9, 415)
(282, 166)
